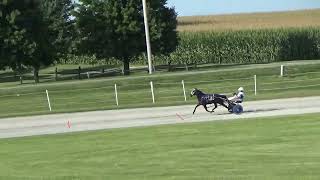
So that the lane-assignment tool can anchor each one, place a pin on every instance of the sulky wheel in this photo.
(237, 109)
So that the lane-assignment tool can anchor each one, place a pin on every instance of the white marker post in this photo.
(184, 90)
(116, 94)
(88, 74)
(255, 85)
(282, 71)
(49, 104)
(152, 92)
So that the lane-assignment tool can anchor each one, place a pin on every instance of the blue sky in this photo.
(207, 7)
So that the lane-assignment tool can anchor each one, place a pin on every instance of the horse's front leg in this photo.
(206, 108)
(196, 108)
(215, 107)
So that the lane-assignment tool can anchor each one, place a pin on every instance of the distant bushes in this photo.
(90, 60)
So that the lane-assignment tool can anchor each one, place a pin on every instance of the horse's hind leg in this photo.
(224, 105)
(221, 102)
(196, 108)
(227, 107)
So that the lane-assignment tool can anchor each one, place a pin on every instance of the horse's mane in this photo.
(201, 93)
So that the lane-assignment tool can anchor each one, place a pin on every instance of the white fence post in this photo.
(255, 85)
(282, 71)
(116, 94)
(49, 104)
(88, 74)
(184, 90)
(152, 92)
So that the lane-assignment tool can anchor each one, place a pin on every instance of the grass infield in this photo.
(283, 148)
(134, 92)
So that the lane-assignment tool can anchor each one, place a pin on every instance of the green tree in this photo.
(57, 14)
(56, 28)
(37, 30)
(33, 32)
(14, 43)
(115, 28)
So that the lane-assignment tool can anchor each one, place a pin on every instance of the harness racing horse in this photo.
(205, 99)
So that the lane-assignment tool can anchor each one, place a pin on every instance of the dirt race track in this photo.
(88, 121)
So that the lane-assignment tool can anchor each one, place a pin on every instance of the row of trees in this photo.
(34, 33)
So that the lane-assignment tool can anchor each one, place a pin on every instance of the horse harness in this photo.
(210, 98)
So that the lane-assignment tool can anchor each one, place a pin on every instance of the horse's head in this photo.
(194, 92)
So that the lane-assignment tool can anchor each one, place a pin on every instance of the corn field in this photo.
(245, 46)
(232, 47)
(269, 20)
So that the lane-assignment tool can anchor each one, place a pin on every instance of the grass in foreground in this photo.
(265, 148)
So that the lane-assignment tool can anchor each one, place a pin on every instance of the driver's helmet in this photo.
(241, 89)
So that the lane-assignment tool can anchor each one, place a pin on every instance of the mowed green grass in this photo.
(283, 148)
(98, 94)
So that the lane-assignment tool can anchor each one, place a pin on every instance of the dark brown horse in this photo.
(205, 99)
